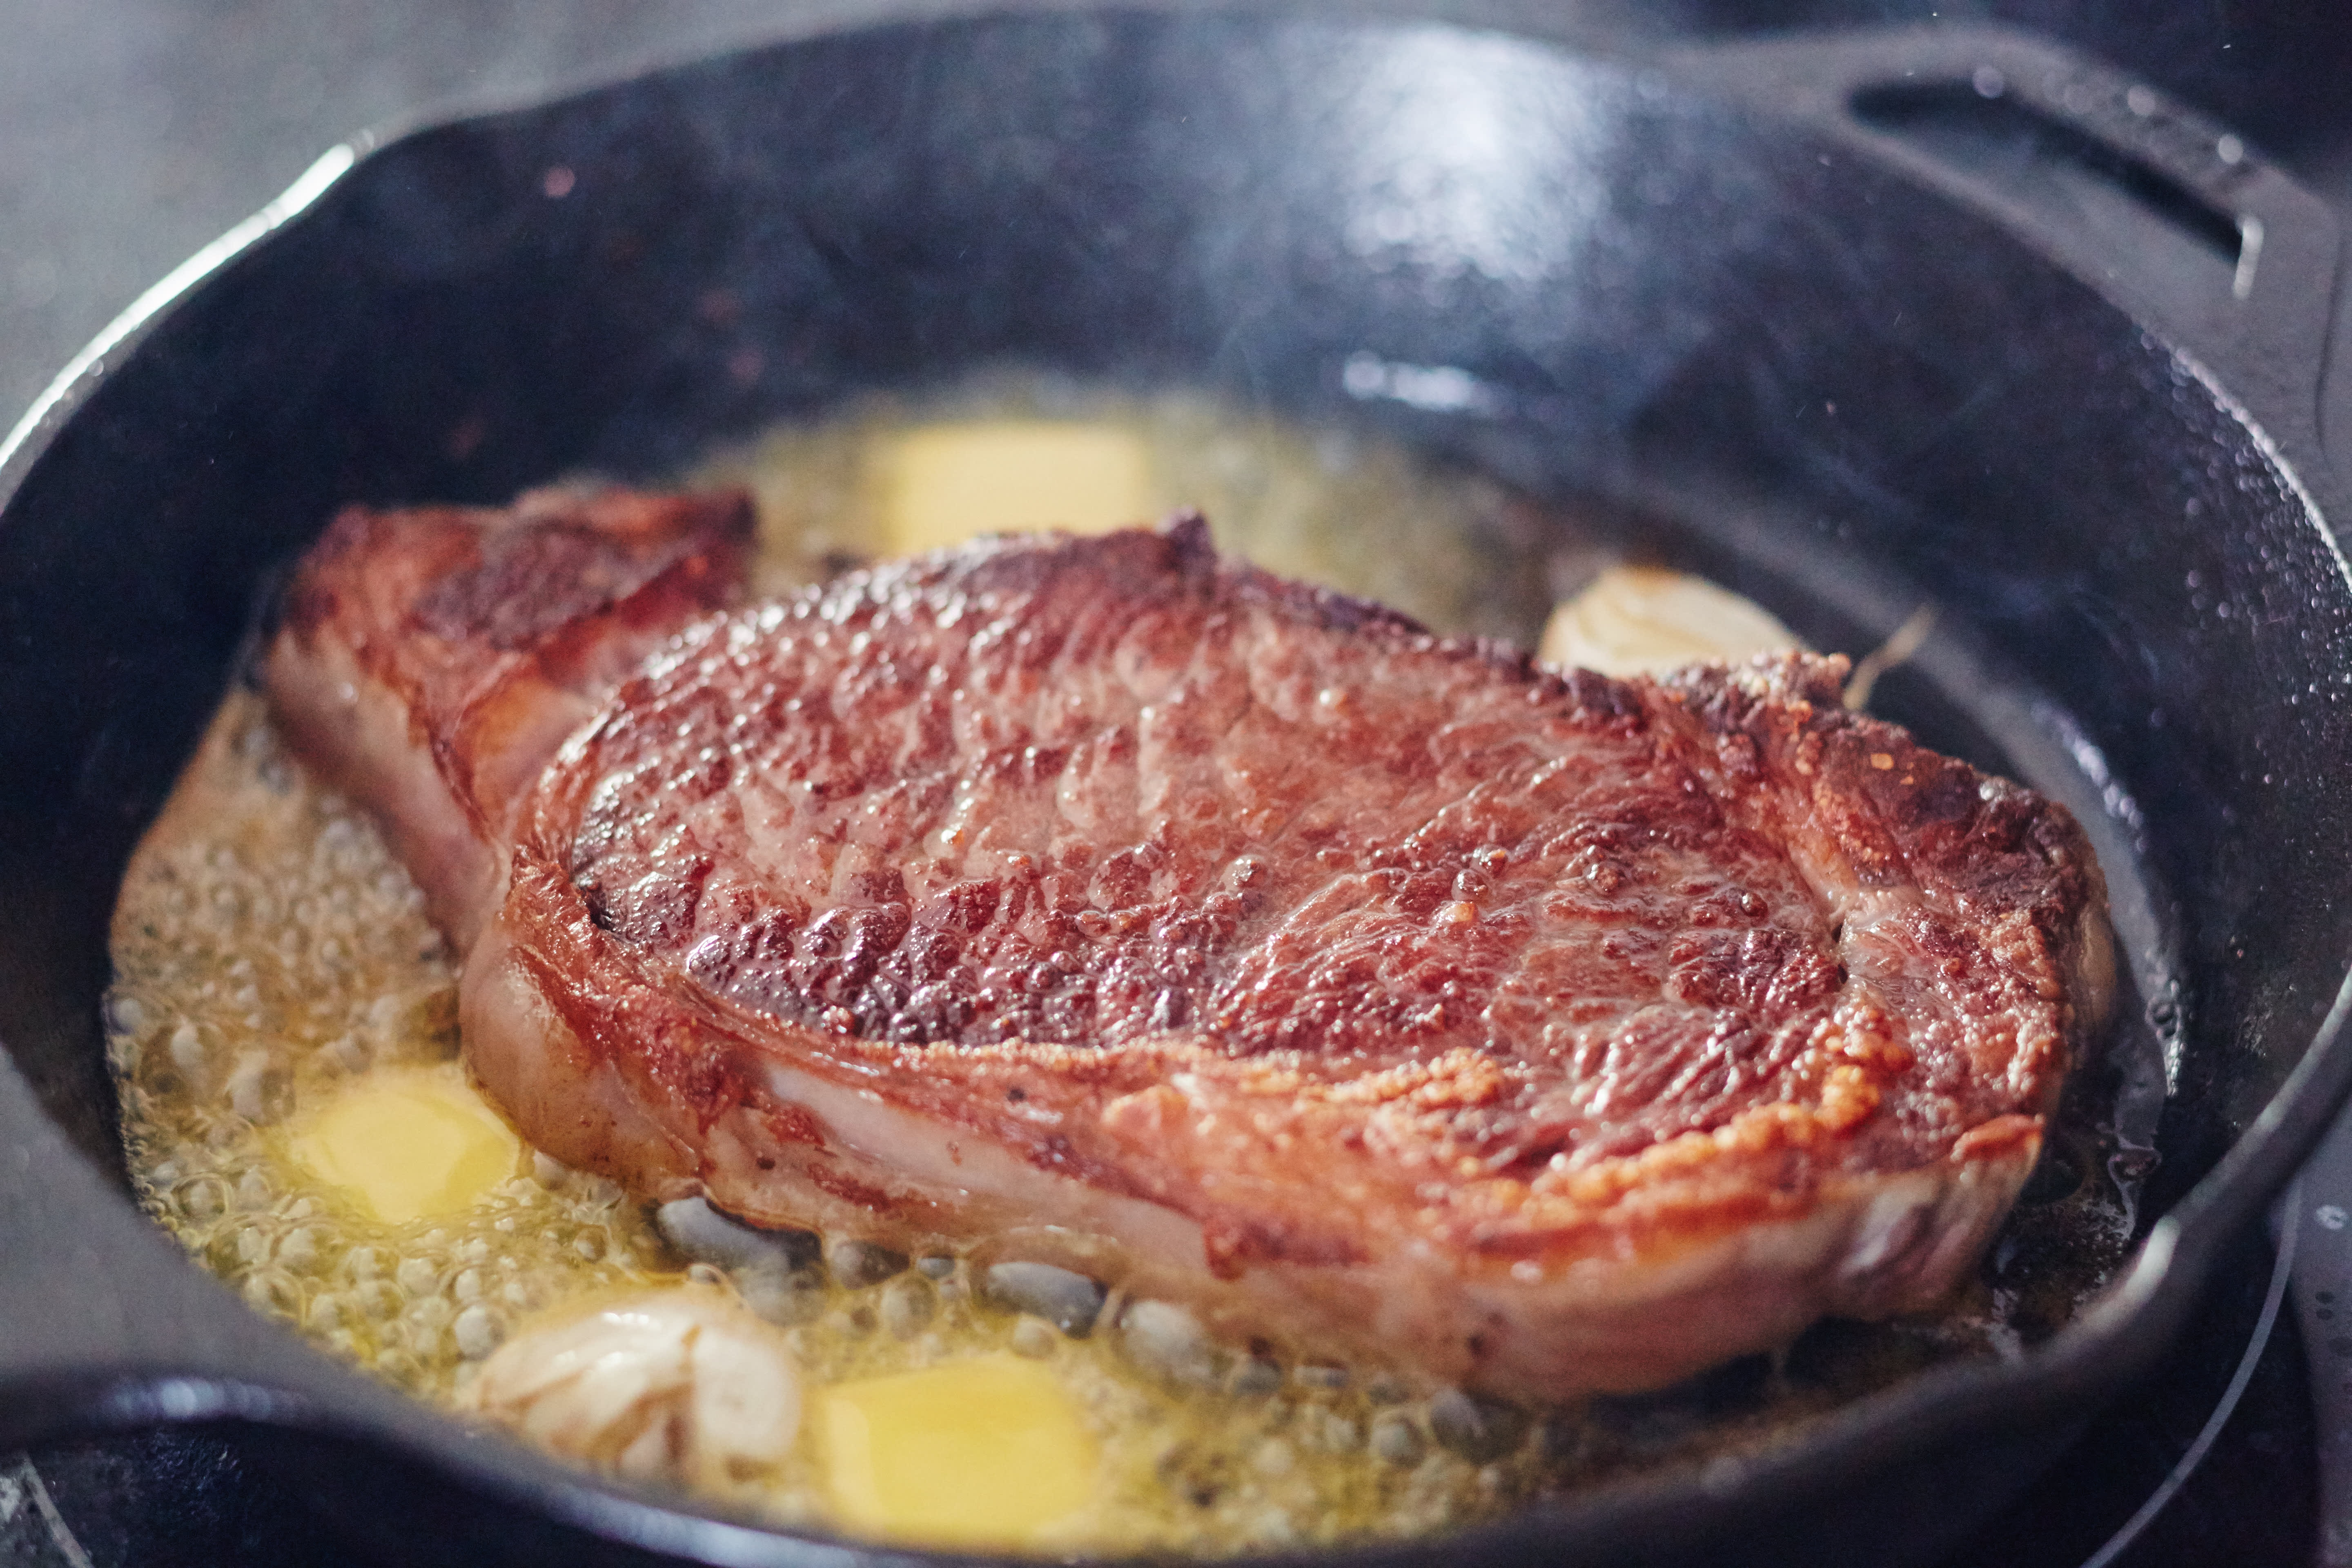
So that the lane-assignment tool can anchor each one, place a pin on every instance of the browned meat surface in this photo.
(1108, 902)
(430, 661)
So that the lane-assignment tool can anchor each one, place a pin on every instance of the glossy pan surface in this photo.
(1937, 316)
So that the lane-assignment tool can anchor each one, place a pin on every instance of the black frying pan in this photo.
(1856, 324)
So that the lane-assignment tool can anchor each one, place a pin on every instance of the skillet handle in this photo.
(103, 1324)
(2169, 215)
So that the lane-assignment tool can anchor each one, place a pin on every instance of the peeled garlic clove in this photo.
(1646, 620)
(746, 1402)
(678, 1385)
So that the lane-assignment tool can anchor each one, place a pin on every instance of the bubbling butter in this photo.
(282, 1027)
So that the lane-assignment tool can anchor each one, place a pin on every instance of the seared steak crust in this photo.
(429, 660)
(1111, 902)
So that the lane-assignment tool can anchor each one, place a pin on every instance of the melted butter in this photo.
(282, 1027)
(280, 1004)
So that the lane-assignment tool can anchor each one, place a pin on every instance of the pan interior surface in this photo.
(1779, 360)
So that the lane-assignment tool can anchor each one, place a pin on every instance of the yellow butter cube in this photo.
(989, 1452)
(409, 1143)
(942, 484)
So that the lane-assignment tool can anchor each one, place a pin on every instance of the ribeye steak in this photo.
(1110, 903)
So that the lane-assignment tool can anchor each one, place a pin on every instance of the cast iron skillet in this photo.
(1936, 315)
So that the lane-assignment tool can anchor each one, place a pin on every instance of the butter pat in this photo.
(942, 484)
(990, 1452)
(409, 1144)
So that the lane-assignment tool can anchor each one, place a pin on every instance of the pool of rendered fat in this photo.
(270, 960)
